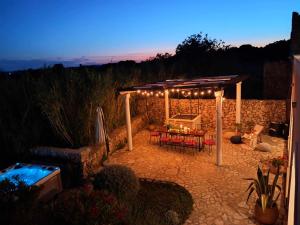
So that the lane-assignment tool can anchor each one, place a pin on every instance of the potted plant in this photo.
(278, 163)
(266, 210)
(237, 138)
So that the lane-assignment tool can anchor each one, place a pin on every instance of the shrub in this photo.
(78, 207)
(18, 202)
(119, 180)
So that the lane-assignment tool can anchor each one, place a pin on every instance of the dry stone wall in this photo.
(252, 111)
(88, 159)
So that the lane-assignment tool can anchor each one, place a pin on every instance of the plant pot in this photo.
(236, 139)
(269, 216)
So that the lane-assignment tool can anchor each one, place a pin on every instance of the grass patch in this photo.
(156, 198)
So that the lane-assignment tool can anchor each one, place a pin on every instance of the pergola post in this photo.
(128, 121)
(219, 96)
(166, 106)
(238, 102)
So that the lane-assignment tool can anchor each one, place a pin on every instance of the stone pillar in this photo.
(128, 121)
(238, 102)
(219, 96)
(166, 106)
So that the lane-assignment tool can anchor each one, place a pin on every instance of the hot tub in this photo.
(46, 177)
(193, 121)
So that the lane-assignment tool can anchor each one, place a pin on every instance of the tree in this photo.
(199, 44)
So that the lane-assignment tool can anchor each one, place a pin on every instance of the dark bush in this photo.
(18, 202)
(81, 207)
(119, 180)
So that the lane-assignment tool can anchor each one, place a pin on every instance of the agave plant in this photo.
(265, 191)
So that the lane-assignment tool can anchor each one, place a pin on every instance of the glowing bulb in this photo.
(189, 93)
(143, 93)
(162, 94)
(209, 91)
(138, 91)
(223, 99)
(195, 93)
(167, 91)
(151, 93)
(173, 90)
(182, 92)
(148, 94)
(177, 90)
(156, 94)
(202, 92)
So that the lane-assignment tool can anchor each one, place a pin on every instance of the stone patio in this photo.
(218, 192)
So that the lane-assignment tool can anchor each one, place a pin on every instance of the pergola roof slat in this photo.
(200, 82)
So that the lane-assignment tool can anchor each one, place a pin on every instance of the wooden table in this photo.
(198, 134)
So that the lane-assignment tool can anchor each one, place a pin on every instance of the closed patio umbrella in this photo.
(101, 133)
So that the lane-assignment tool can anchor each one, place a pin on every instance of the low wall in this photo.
(86, 160)
(118, 138)
(252, 111)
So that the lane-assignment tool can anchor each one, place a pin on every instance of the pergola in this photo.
(215, 84)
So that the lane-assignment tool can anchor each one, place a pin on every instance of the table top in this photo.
(198, 133)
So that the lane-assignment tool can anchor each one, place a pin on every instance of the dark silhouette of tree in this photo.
(199, 44)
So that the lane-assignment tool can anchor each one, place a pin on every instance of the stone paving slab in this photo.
(218, 192)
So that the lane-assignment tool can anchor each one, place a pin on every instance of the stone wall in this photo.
(119, 136)
(87, 160)
(252, 111)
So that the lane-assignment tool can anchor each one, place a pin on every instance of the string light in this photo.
(183, 92)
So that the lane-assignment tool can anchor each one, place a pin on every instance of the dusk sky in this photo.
(38, 32)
